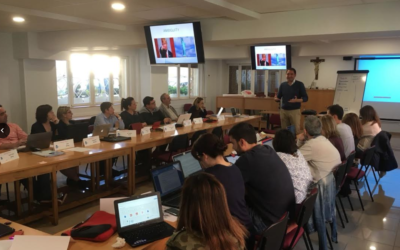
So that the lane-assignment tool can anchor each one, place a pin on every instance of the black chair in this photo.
(196, 136)
(218, 132)
(355, 174)
(350, 163)
(340, 176)
(273, 236)
(91, 120)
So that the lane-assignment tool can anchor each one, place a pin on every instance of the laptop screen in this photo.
(232, 159)
(138, 211)
(189, 164)
(168, 179)
(269, 143)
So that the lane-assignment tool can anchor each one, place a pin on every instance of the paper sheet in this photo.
(24, 242)
(107, 204)
(5, 244)
(77, 149)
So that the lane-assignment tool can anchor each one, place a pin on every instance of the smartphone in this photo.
(172, 211)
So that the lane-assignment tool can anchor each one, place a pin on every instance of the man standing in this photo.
(15, 138)
(166, 108)
(344, 130)
(291, 94)
(108, 116)
(150, 113)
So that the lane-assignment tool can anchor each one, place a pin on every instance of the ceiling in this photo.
(56, 15)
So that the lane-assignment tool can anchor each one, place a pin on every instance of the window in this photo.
(93, 79)
(233, 79)
(246, 78)
(183, 82)
(273, 82)
(259, 81)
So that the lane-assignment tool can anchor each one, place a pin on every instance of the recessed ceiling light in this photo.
(18, 19)
(118, 6)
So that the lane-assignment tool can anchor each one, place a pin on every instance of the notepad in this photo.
(24, 242)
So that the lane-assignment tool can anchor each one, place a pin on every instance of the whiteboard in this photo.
(349, 93)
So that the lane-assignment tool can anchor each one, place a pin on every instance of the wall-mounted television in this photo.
(175, 43)
(271, 57)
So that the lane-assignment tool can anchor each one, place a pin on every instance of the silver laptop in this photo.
(102, 130)
(219, 112)
(189, 164)
(183, 117)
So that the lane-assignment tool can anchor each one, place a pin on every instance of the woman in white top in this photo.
(371, 126)
(285, 146)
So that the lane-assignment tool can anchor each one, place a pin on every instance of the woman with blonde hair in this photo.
(330, 132)
(200, 226)
(198, 110)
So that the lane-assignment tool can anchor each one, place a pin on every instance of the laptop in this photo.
(181, 118)
(77, 131)
(219, 112)
(36, 142)
(234, 114)
(101, 130)
(189, 164)
(168, 180)
(267, 141)
(232, 159)
(140, 219)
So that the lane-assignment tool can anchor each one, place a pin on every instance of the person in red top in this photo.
(17, 136)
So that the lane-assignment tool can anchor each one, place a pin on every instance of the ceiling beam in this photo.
(60, 17)
(223, 8)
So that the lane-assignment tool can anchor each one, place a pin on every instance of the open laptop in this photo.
(36, 142)
(181, 118)
(103, 131)
(77, 131)
(140, 219)
(168, 180)
(219, 112)
(234, 114)
(189, 164)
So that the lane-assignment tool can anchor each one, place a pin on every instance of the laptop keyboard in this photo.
(174, 201)
(148, 234)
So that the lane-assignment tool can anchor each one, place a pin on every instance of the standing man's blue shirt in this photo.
(288, 92)
(101, 119)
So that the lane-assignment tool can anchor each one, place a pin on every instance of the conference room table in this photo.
(30, 165)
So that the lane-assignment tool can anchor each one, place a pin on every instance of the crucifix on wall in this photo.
(317, 62)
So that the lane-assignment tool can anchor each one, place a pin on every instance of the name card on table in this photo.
(187, 123)
(169, 128)
(61, 145)
(145, 131)
(9, 156)
(221, 118)
(126, 133)
(91, 141)
(198, 120)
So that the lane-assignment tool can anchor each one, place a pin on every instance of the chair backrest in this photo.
(218, 132)
(186, 107)
(350, 161)
(136, 126)
(90, 129)
(272, 237)
(275, 119)
(367, 156)
(179, 143)
(92, 120)
(340, 175)
(307, 208)
(197, 135)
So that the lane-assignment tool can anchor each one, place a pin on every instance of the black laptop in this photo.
(36, 142)
(140, 219)
(114, 138)
(168, 180)
(77, 131)
(189, 164)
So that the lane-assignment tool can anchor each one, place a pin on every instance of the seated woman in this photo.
(330, 132)
(371, 126)
(129, 114)
(200, 226)
(64, 114)
(354, 122)
(198, 110)
(46, 121)
(209, 151)
(285, 146)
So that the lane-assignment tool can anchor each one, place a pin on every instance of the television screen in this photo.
(270, 57)
(175, 43)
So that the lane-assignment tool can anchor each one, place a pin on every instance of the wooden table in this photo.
(107, 245)
(30, 165)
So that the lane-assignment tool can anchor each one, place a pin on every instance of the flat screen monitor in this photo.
(175, 43)
(276, 57)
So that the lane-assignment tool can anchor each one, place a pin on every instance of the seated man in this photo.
(150, 113)
(16, 138)
(344, 130)
(319, 152)
(270, 191)
(166, 108)
(108, 116)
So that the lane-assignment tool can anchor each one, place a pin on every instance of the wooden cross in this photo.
(317, 62)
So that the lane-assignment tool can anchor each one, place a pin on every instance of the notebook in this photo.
(189, 164)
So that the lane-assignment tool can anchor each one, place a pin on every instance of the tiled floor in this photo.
(376, 228)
